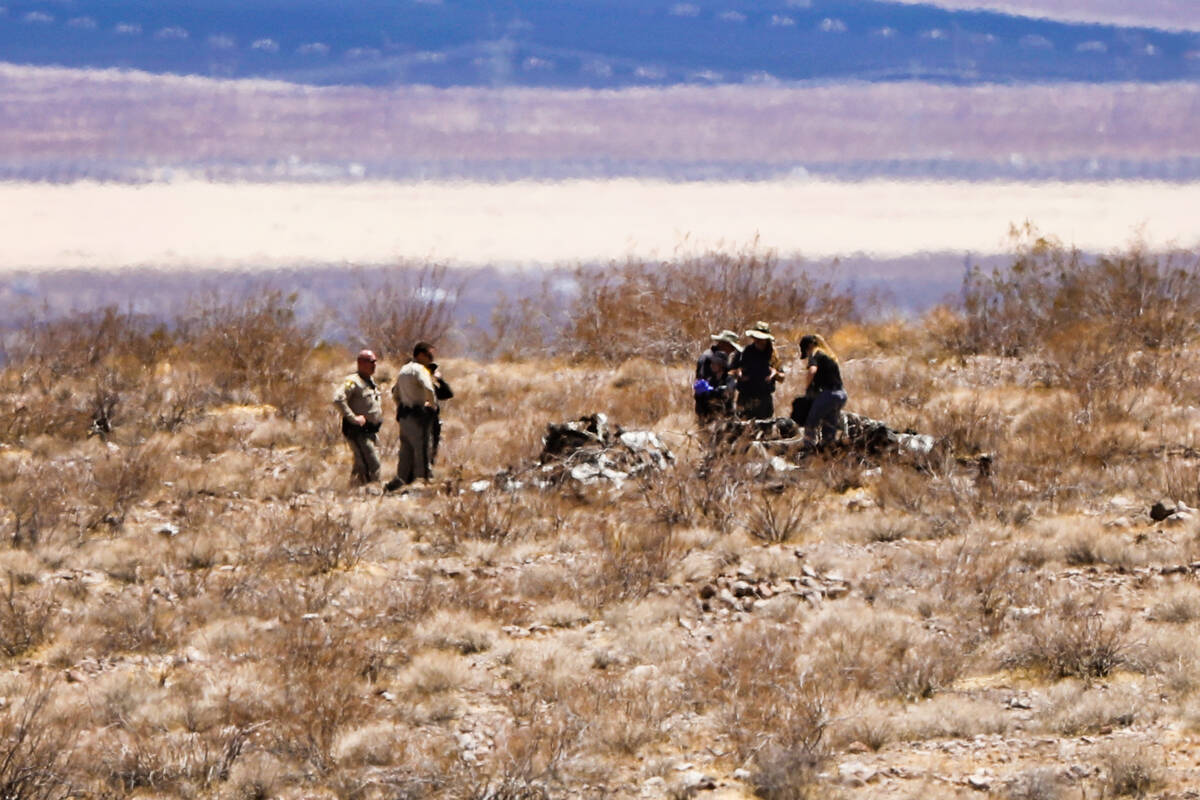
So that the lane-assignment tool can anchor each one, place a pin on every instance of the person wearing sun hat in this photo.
(724, 345)
(761, 369)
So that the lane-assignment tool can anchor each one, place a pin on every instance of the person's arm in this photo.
(428, 390)
(341, 399)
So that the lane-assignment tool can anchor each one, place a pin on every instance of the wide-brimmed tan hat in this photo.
(761, 330)
(728, 337)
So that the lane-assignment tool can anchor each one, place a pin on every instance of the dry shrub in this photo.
(254, 350)
(136, 621)
(771, 706)
(491, 516)
(1039, 783)
(37, 500)
(323, 670)
(1138, 299)
(120, 477)
(661, 310)
(407, 304)
(25, 618)
(1073, 639)
(1180, 608)
(35, 758)
(1132, 770)
(776, 517)
(632, 560)
(322, 540)
(1077, 710)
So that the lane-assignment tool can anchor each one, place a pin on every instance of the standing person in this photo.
(441, 391)
(724, 344)
(714, 394)
(358, 400)
(761, 369)
(823, 383)
(416, 411)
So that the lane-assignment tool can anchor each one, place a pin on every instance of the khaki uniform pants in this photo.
(416, 449)
(366, 457)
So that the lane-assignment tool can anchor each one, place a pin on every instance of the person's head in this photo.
(423, 353)
(366, 362)
(726, 342)
(761, 334)
(719, 363)
(811, 343)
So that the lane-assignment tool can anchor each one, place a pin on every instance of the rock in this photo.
(743, 589)
(1161, 510)
(856, 748)
(642, 672)
(855, 773)
(1179, 518)
(167, 529)
(980, 781)
(708, 591)
(836, 590)
(741, 774)
(654, 787)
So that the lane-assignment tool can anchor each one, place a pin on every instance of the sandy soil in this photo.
(199, 225)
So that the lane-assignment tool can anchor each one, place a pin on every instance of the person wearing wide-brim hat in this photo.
(724, 344)
(761, 369)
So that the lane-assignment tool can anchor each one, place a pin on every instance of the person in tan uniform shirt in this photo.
(416, 411)
(358, 400)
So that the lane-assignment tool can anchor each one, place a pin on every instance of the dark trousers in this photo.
(366, 456)
(756, 406)
(824, 417)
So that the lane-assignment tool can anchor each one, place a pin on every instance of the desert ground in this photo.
(197, 603)
(194, 224)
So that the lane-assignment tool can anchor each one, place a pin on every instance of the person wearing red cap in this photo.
(358, 400)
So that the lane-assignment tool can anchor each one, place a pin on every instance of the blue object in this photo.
(702, 387)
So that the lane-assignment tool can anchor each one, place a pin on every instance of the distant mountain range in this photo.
(585, 44)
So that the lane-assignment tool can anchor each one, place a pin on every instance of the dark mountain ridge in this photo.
(580, 43)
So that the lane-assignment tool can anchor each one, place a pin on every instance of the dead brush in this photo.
(1073, 639)
(26, 618)
(765, 698)
(323, 540)
(1132, 770)
(36, 753)
(779, 516)
(119, 479)
(255, 350)
(324, 692)
(490, 516)
(660, 310)
(38, 499)
(632, 560)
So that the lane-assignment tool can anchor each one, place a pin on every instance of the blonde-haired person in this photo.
(823, 383)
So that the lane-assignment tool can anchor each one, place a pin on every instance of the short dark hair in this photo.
(422, 347)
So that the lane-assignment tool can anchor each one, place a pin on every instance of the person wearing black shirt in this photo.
(760, 370)
(824, 387)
